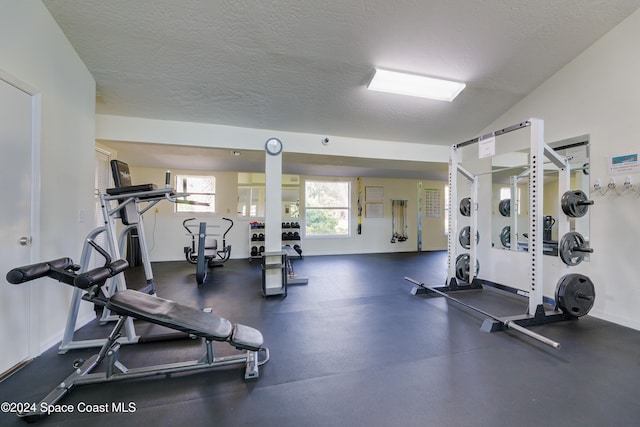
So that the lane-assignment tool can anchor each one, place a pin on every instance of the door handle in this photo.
(24, 241)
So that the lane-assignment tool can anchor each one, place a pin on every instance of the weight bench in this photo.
(138, 305)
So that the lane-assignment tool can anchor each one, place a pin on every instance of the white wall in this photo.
(166, 237)
(598, 94)
(34, 50)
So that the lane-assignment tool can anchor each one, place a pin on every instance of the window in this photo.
(201, 189)
(327, 208)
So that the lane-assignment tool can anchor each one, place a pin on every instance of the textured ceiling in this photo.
(302, 65)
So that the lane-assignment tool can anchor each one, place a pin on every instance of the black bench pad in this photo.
(172, 315)
(246, 338)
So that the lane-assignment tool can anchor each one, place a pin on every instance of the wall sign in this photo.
(624, 164)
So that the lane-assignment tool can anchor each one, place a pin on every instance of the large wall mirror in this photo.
(251, 195)
(510, 196)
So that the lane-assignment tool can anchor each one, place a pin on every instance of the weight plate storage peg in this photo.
(572, 248)
(465, 206)
(462, 267)
(505, 236)
(575, 294)
(465, 237)
(504, 207)
(575, 203)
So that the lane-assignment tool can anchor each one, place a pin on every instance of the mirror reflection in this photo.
(510, 196)
(251, 195)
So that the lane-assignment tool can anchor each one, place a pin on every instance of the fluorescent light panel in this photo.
(414, 85)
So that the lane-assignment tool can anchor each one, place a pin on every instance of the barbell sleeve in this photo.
(581, 249)
(509, 324)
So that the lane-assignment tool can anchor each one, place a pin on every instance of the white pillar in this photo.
(273, 277)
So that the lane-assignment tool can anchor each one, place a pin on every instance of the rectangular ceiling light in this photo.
(414, 85)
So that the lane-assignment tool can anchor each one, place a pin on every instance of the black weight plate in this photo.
(504, 207)
(575, 294)
(505, 236)
(462, 267)
(465, 237)
(570, 203)
(567, 248)
(465, 206)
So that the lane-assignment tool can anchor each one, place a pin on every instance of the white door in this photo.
(15, 221)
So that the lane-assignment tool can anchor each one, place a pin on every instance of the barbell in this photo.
(509, 324)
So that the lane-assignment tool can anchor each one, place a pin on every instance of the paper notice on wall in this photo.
(487, 147)
(432, 198)
(624, 164)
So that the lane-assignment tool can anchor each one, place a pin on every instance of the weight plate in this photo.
(575, 294)
(505, 236)
(575, 203)
(465, 237)
(462, 267)
(465, 206)
(569, 248)
(504, 207)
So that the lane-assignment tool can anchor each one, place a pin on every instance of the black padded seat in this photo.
(246, 338)
(170, 314)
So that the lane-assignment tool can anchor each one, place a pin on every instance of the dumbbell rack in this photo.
(291, 235)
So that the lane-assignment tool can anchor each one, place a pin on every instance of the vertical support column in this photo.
(514, 208)
(419, 216)
(474, 229)
(536, 185)
(453, 214)
(564, 184)
(273, 213)
(581, 225)
(114, 251)
(273, 205)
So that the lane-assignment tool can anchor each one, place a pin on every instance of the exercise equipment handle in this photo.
(99, 275)
(230, 226)
(167, 179)
(509, 324)
(27, 273)
(186, 227)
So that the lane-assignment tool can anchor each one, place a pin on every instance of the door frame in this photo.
(34, 255)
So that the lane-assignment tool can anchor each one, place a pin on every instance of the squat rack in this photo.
(536, 313)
